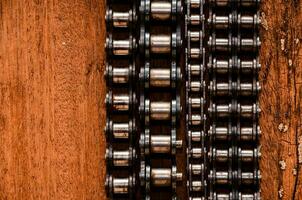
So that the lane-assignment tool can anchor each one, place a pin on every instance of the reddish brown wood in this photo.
(51, 99)
(281, 79)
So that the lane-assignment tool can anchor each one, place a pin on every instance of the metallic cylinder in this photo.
(220, 22)
(222, 88)
(247, 42)
(196, 198)
(244, 21)
(195, 69)
(120, 158)
(196, 169)
(160, 77)
(196, 102)
(195, 53)
(196, 186)
(248, 89)
(195, 136)
(118, 102)
(195, 36)
(234, 65)
(220, 133)
(249, 3)
(220, 66)
(250, 44)
(196, 152)
(220, 196)
(163, 143)
(242, 133)
(248, 21)
(228, 89)
(219, 89)
(246, 110)
(224, 177)
(223, 196)
(195, 119)
(160, 110)
(227, 44)
(219, 155)
(246, 196)
(242, 3)
(162, 177)
(119, 186)
(195, 86)
(195, 19)
(248, 178)
(118, 130)
(220, 3)
(160, 10)
(121, 19)
(120, 75)
(220, 44)
(248, 155)
(224, 155)
(160, 43)
(248, 65)
(121, 47)
(234, 195)
(249, 133)
(225, 110)
(195, 3)
(121, 130)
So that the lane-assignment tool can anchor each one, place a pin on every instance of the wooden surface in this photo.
(52, 92)
(51, 99)
(281, 78)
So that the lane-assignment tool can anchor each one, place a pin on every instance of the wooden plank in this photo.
(281, 78)
(51, 98)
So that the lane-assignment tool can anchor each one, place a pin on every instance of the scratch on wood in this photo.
(300, 150)
(264, 21)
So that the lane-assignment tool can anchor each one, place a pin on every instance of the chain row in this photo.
(221, 99)
(160, 106)
(232, 108)
(121, 126)
(149, 45)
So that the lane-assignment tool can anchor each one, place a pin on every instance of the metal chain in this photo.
(233, 87)
(195, 99)
(120, 74)
(159, 107)
(146, 43)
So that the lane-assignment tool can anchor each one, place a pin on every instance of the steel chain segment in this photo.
(232, 105)
(159, 106)
(146, 42)
(121, 100)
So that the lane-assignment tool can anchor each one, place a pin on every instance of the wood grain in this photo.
(52, 92)
(280, 101)
(51, 97)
